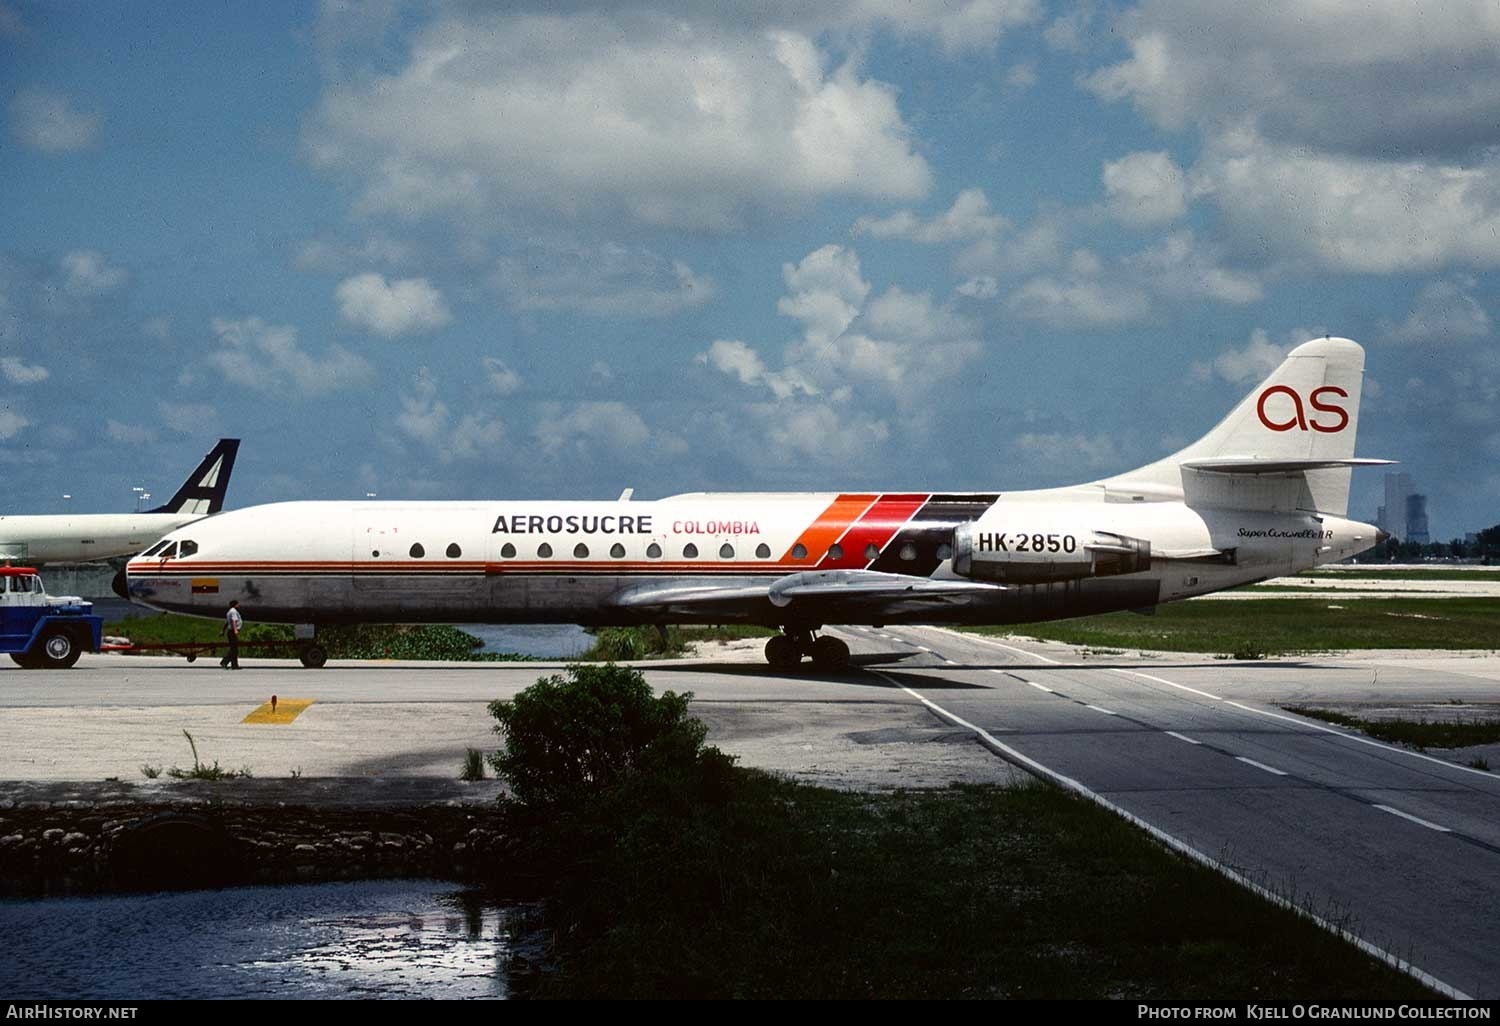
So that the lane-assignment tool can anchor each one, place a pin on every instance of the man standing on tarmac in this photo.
(232, 624)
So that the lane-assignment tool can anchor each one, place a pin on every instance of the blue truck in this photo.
(41, 632)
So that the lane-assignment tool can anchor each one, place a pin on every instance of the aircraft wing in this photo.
(1253, 465)
(807, 587)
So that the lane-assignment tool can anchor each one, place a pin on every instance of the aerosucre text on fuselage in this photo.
(535, 523)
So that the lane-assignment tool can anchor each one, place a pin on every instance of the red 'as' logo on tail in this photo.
(1299, 419)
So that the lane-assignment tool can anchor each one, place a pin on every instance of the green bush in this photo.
(569, 739)
(621, 644)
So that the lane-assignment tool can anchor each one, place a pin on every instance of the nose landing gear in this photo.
(785, 651)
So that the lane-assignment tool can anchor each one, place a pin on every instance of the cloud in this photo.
(46, 121)
(1251, 362)
(1145, 189)
(1183, 266)
(1444, 311)
(667, 121)
(90, 274)
(392, 308)
(427, 419)
(336, 257)
(128, 434)
(591, 430)
(18, 372)
(1351, 213)
(1079, 298)
(609, 280)
(188, 418)
(969, 218)
(1062, 450)
(1382, 79)
(268, 359)
(12, 423)
(502, 380)
(965, 25)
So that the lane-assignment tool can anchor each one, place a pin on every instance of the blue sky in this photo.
(447, 251)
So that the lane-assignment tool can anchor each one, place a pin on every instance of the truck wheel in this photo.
(59, 650)
(313, 656)
(25, 661)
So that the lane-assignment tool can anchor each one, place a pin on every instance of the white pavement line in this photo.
(1000, 644)
(1100, 708)
(1039, 687)
(1362, 740)
(1181, 737)
(1260, 766)
(1170, 684)
(1415, 819)
(1010, 754)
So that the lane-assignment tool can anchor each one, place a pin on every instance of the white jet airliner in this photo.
(78, 538)
(1263, 494)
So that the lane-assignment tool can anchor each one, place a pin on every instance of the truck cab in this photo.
(39, 631)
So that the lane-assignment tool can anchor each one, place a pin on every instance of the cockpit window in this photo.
(168, 552)
(155, 548)
(187, 548)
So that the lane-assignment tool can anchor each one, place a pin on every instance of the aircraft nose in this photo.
(120, 585)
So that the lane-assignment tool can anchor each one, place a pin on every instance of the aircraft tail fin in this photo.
(1288, 445)
(203, 492)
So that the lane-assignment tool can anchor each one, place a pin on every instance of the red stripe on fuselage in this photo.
(877, 527)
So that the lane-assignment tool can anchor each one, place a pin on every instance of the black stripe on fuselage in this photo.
(931, 527)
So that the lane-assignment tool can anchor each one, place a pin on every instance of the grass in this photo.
(473, 765)
(200, 770)
(1375, 571)
(1421, 733)
(1282, 626)
(794, 891)
(374, 641)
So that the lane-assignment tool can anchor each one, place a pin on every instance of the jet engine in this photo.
(1035, 557)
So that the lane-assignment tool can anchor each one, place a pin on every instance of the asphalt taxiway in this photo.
(1401, 847)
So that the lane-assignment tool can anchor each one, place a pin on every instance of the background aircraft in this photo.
(70, 538)
(1263, 494)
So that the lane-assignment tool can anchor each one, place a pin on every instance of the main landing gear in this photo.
(785, 650)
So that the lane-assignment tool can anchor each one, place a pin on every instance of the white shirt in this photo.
(233, 621)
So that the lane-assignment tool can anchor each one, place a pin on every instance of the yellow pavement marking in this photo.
(287, 710)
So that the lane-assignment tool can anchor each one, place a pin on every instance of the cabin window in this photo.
(653, 551)
(507, 551)
(417, 552)
(690, 551)
(835, 552)
(762, 551)
(799, 551)
(454, 551)
(188, 548)
(375, 553)
(544, 551)
(909, 552)
(580, 551)
(617, 551)
(871, 552)
(726, 551)
(945, 551)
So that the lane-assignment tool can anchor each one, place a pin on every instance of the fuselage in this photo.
(604, 563)
(79, 538)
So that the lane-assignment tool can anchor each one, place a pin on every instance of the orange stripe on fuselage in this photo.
(877, 527)
(830, 526)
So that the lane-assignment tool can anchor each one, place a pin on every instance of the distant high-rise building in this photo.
(1416, 519)
(1393, 514)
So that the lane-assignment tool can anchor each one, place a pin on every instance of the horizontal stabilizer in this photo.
(807, 585)
(1252, 465)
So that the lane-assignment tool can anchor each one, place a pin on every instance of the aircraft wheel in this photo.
(830, 653)
(59, 650)
(782, 653)
(313, 656)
